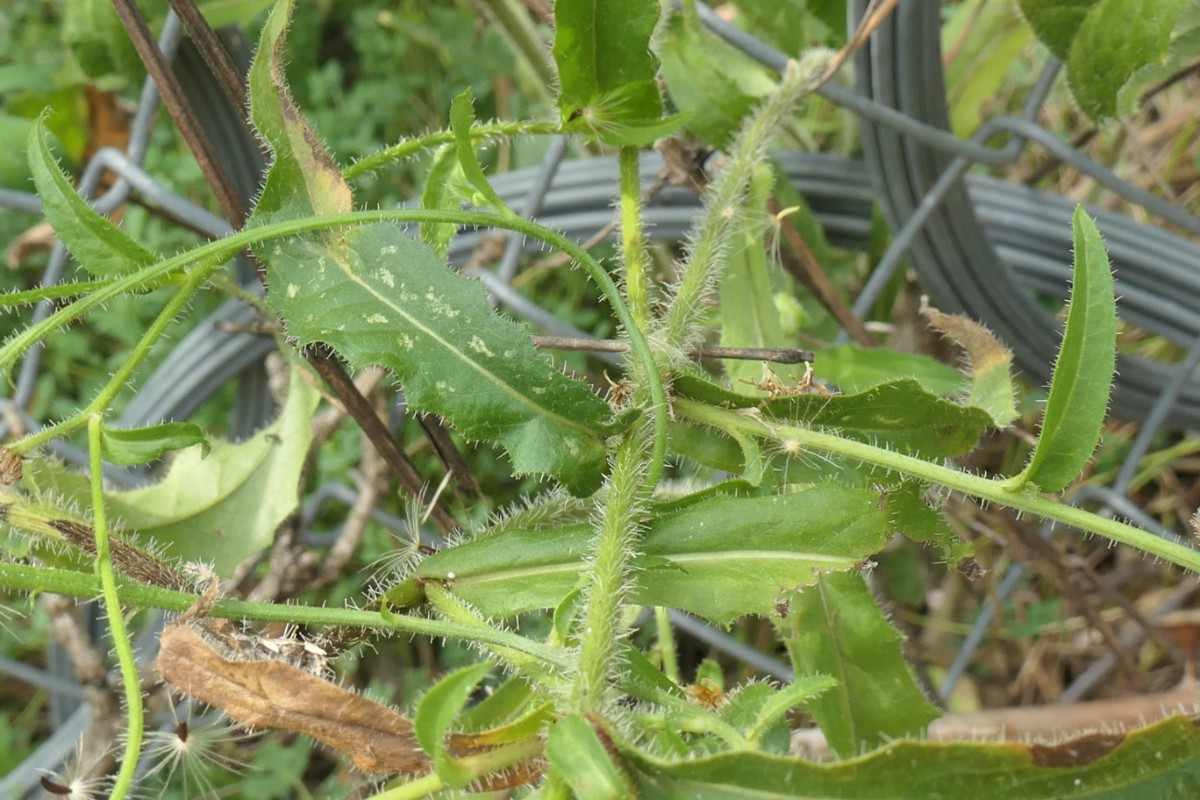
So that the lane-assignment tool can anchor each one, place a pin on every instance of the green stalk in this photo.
(58, 291)
(607, 579)
(120, 378)
(479, 765)
(224, 249)
(26, 578)
(633, 246)
(680, 329)
(454, 610)
(116, 622)
(993, 491)
(410, 147)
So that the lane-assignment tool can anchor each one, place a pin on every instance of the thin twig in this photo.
(212, 51)
(334, 374)
(323, 360)
(802, 264)
(777, 355)
(185, 118)
(448, 453)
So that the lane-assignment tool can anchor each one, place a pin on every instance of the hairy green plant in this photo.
(818, 484)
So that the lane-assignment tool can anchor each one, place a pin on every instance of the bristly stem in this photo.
(607, 579)
(29, 578)
(120, 378)
(963, 482)
(116, 622)
(679, 330)
(223, 249)
(418, 144)
(633, 247)
(456, 611)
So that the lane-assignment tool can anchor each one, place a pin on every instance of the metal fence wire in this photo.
(979, 245)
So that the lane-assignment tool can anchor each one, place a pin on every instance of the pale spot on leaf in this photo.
(480, 346)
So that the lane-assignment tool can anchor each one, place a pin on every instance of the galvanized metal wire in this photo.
(979, 245)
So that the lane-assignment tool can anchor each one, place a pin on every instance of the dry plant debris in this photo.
(272, 694)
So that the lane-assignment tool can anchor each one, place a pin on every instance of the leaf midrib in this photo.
(505, 387)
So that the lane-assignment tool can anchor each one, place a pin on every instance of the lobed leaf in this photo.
(899, 415)
(377, 297)
(835, 628)
(1082, 379)
(1155, 763)
(720, 558)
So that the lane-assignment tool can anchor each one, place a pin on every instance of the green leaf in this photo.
(217, 509)
(220, 13)
(575, 750)
(853, 369)
(14, 139)
(797, 693)
(500, 706)
(1056, 22)
(721, 558)
(717, 83)
(707, 446)
(227, 506)
(439, 194)
(749, 317)
(835, 628)
(93, 33)
(916, 519)
(531, 725)
(986, 39)
(462, 117)
(1160, 762)
(787, 25)
(126, 446)
(1112, 47)
(1082, 380)
(607, 74)
(303, 179)
(900, 415)
(1116, 40)
(436, 713)
(97, 244)
(377, 297)
(990, 364)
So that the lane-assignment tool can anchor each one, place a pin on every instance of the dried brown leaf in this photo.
(272, 694)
